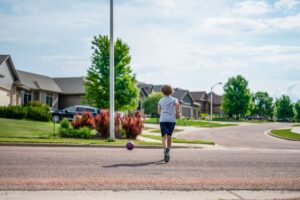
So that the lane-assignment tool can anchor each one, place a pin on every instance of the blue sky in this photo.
(189, 44)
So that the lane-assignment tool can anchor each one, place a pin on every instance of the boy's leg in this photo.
(169, 141)
(164, 141)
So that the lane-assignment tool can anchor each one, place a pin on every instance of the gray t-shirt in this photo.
(167, 109)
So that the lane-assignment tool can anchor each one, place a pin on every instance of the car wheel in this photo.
(55, 118)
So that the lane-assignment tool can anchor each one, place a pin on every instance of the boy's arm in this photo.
(158, 109)
(177, 109)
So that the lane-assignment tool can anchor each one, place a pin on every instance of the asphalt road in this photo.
(247, 136)
(74, 168)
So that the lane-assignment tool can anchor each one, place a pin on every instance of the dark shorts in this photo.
(167, 128)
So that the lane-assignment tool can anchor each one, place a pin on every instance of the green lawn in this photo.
(24, 131)
(296, 125)
(185, 122)
(286, 133)
(177, 140)
(222, 119)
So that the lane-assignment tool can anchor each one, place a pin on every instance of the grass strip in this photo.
(286, 133)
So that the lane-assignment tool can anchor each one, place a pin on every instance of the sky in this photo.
(191, 44)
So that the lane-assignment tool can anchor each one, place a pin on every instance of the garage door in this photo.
(4, 97)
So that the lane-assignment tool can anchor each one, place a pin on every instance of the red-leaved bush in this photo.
(133, 125)
(102, 124)
(86, 120)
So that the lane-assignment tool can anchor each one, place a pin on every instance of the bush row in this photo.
(128, 125)
(34, 111)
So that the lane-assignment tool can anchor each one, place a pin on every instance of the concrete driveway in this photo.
(245, 136)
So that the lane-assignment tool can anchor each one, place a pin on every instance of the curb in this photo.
(91, 145)
(277, 136)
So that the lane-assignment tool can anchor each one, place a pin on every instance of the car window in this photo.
(90, 110)
(70, 109)
(84, 109)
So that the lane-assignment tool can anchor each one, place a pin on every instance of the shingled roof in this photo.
(199, 96)
(11, 67)
(71, 85)
(38, 82)
(3, 58)
(217, 99)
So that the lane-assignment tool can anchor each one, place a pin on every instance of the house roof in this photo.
(198, 96)
(11, 67)
(71, 85)
(157, 88)
(217, 99)
(179, 93)
(38, 82)
(3, 58)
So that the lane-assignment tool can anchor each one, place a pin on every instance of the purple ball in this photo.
(129, 145)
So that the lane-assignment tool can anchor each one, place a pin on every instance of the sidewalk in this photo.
(149, 194)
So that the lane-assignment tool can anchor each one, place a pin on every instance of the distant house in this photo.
(72, 91)
(188, 107)
(204, 100)
(19, 87)
(9, 82)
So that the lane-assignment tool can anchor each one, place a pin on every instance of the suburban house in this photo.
(19, 87)
(189, 107)
(204, 100)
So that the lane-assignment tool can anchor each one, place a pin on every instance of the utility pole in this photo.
(111, 76)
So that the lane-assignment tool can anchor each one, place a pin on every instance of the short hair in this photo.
(167, 90)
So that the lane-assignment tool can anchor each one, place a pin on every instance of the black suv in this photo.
(69, 112)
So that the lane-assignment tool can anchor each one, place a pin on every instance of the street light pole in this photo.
(211, 99)
(111, 76)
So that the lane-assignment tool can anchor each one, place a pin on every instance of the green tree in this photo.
(284, 108)
(237, 97)
(150, 104)
(263, 105)
(97, 79)
(297, 109)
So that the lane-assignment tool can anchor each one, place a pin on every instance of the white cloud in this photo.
(286, 4)
(252, 8)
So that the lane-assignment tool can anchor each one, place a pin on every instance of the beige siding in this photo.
(4, 97)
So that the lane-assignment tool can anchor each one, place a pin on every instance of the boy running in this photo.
(168, 109)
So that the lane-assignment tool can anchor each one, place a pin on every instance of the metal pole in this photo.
(111, 76)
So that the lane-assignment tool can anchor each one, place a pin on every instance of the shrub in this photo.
(38, 113)
(132, 125)
(83, 132)
(102, 124)
(14, 112)
(76, 122)
(86, 120)
(65, 123)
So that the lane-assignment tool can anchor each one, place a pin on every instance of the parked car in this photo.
(284, 120)
(69, 112)
(255, 117)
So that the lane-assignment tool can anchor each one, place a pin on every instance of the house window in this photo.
(187, 99)
(27, 97)
(49, 99)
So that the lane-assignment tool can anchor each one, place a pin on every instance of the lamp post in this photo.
(111, 76)
(211, 99)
